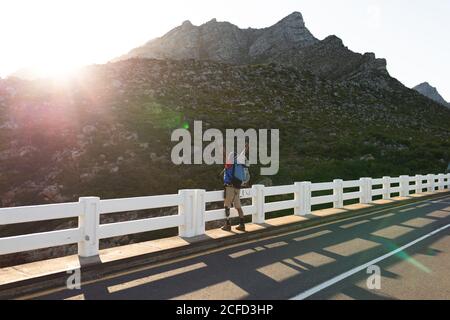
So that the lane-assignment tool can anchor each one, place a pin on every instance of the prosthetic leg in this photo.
(227, 226)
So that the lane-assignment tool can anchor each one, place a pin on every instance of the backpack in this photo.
(237, 176)
(240, 174)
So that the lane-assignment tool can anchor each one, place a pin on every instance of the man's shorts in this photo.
(232, 197)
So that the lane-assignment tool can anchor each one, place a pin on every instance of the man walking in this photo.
(233, 187)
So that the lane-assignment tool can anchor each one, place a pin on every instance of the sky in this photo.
(57, 35)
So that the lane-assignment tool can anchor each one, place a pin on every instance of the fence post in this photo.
(186, 209)
(369, 190)
(258, 203)
(448, 180)
(362, 190)
(440, 181)
(386, 187)
(430, 182)
(366, 190)
(418, 182)
(404, 186)
(298, 198)
(338, 193)
(199, 212)
(305, 194)
(89, 222)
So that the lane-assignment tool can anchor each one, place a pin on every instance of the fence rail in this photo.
(192, 213)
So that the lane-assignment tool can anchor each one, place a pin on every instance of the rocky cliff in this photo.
(225, 42)
(431, 92)
(288, 42)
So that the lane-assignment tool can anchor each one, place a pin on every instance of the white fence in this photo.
(192, 214)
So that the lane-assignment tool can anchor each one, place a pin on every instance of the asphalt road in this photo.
(284, 266)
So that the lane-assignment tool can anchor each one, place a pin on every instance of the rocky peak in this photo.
(333, 40)
(431, 92)
(286, 34)
(187, 23)
(294, 19)
(225, 42)
(425, 86)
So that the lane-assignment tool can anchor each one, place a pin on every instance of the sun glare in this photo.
(54, 69)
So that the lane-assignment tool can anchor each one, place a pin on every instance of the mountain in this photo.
(288, 42)
(431, 92)
(225, 42)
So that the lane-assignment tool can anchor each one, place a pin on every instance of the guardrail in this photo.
(192, 214)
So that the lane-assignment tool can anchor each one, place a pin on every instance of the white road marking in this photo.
(347, 274)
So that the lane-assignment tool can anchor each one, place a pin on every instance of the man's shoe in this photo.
(241, 227)
(226, 227)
